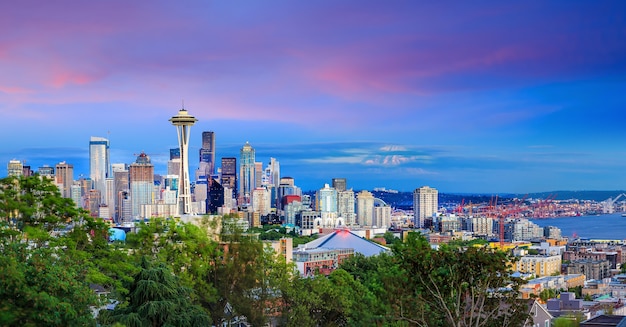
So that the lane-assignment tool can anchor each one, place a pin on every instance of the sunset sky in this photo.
(463, 96)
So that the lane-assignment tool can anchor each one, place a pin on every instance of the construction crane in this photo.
(608, 205)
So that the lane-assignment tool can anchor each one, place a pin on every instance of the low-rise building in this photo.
(593, 269)
(539, 265)
(319, 260)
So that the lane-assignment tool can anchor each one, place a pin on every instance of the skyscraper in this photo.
(141, 183)
(271, 180)
(46, 171)
(425, 203)
(216, 197)
(99, 164)
(207, 153)
(246, 173)
(326, 204)
(15, 168)
(345, 206)
(121, 179)
(365, 208)
(229, 174)
(64, 176)
(183, 122)
(339, 184)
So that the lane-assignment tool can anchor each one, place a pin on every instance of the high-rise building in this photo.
(258, 174)
(382, 216)
(246, 173)
(109, 198)
(174, 153)
(229, 173)
(93, 203)
(121, 191)
(141, 183)
(216, 197)
(207, 153)
(64, 177)
(365, 208)
(326, 199)
(271, 180)
(99, 163)
(183, 122)
(425, 203)
(287, 187)
(261, 201)
(340, 184)
(46, 171)
(75, 194)
(15, 168)
(326, 204)
(345, 206)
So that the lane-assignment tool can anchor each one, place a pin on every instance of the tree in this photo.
(34, 202)
(157, 298)
(48, 249)
(460, 287)
(547, 294)
(184, 248)
(240, 278)
(336, 300)
(42, 287)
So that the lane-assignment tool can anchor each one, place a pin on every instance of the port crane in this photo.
(608, 205)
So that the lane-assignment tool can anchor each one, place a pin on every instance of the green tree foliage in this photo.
(547, 294)
(336, 300)
(42, 287)
(34, 202)
(245, 278)
(451, 286)
(386, 280)
(157, 298)
(461, 287)
(54, 251)
(184, 248)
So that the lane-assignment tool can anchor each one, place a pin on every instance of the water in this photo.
(608, 227)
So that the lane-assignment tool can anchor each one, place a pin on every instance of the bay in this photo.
(606, 227)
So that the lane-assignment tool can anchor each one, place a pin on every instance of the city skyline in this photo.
(504, 97)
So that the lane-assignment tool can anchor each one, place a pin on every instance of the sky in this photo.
(462, 96)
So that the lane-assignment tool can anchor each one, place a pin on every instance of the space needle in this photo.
(183, 122)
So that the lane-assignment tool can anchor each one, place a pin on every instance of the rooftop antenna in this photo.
(183, 100)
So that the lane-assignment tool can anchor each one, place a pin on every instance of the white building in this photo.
(365, 208)
(425, 204)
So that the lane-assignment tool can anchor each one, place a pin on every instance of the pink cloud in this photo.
(14, 90)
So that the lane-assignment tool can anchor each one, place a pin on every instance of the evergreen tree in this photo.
(157, 298)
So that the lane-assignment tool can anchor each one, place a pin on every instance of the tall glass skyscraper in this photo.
(207, 154)
(99, 164)
(141, 174)
(246, 173)
(229, 174)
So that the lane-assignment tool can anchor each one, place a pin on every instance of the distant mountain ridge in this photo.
(578, 195)
(404, 200)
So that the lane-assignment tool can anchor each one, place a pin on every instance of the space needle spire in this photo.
(183, 122)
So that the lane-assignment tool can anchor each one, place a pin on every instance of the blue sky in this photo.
(464, 97)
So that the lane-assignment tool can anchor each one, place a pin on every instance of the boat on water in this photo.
(624, 215)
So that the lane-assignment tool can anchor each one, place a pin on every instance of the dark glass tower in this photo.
(207, 152)
(215, 198)
(229, 173)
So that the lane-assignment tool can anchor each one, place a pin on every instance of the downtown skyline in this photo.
(502, 97)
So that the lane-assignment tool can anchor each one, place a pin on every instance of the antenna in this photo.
(183, 100)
